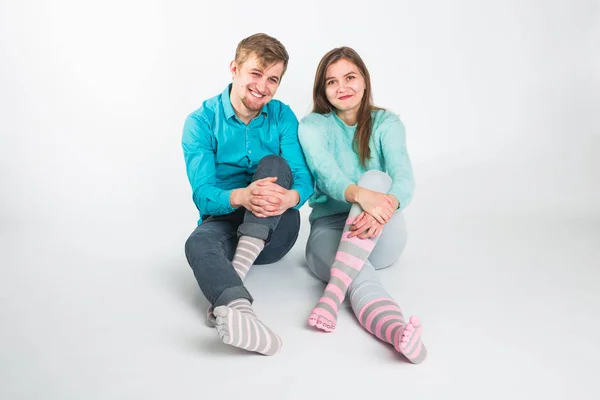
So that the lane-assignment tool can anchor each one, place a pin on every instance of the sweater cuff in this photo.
(402, 197)
(340, 190)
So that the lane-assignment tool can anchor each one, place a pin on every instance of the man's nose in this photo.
(261, 85)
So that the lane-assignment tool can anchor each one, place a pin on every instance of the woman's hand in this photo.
(379, 205)
(365, 227)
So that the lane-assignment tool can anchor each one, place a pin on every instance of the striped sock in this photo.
(247, 251)
(238, 326)
(349, 260)
(379, 314)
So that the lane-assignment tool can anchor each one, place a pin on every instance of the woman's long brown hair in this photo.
(321, 105)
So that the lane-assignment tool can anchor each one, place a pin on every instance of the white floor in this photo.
(503, 274)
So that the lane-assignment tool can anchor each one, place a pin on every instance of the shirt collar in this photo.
(228, 108)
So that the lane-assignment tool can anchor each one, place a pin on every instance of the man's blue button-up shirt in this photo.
(221, 152)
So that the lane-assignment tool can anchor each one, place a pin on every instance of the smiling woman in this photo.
(345, 87)
(357, 155)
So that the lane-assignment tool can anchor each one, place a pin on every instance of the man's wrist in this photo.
(235, 198)
(293, 198)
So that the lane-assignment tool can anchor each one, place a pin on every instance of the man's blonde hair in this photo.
(267, 49)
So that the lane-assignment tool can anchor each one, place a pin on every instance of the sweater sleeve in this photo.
(322, 164)
(397, 161)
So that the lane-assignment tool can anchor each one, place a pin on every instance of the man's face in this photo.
(254, 86)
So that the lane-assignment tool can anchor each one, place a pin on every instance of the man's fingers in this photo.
(272, 187)
(264, 206)
(264, 199)
(257, 206)
(269, 195)
(271, 213)
(262, 213)
(273, 199)
(266, 210)
(257, 201)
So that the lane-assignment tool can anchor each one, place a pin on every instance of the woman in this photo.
(363, 174)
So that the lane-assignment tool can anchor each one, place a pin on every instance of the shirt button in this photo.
(249, 151)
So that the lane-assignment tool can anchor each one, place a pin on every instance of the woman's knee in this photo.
(376, 181)
(391, 244)
(386, 260)
(319, 257)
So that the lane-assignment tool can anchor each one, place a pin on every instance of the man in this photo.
(249, 178)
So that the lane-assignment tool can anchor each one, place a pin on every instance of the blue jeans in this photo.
(210, 248)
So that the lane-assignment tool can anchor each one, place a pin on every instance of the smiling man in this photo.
(249, 178)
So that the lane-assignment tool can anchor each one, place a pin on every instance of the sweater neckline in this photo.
(342, 124)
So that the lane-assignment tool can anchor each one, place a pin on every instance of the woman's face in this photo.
(344, 86)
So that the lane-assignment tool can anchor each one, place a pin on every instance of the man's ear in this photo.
(233, 67)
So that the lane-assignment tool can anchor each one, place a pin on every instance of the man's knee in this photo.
(273, 165)
(375, 180)
(197, 244)
(274, 161)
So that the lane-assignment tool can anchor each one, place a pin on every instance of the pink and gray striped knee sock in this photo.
(379, 314)
(349, 260)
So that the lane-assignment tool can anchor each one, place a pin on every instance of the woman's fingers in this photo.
(358, 226)
(377, 231)
(369, 232)
(378, 217)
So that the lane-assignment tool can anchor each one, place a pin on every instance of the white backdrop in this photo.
(501, 103)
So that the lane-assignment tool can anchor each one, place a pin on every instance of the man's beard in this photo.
(251, 106)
